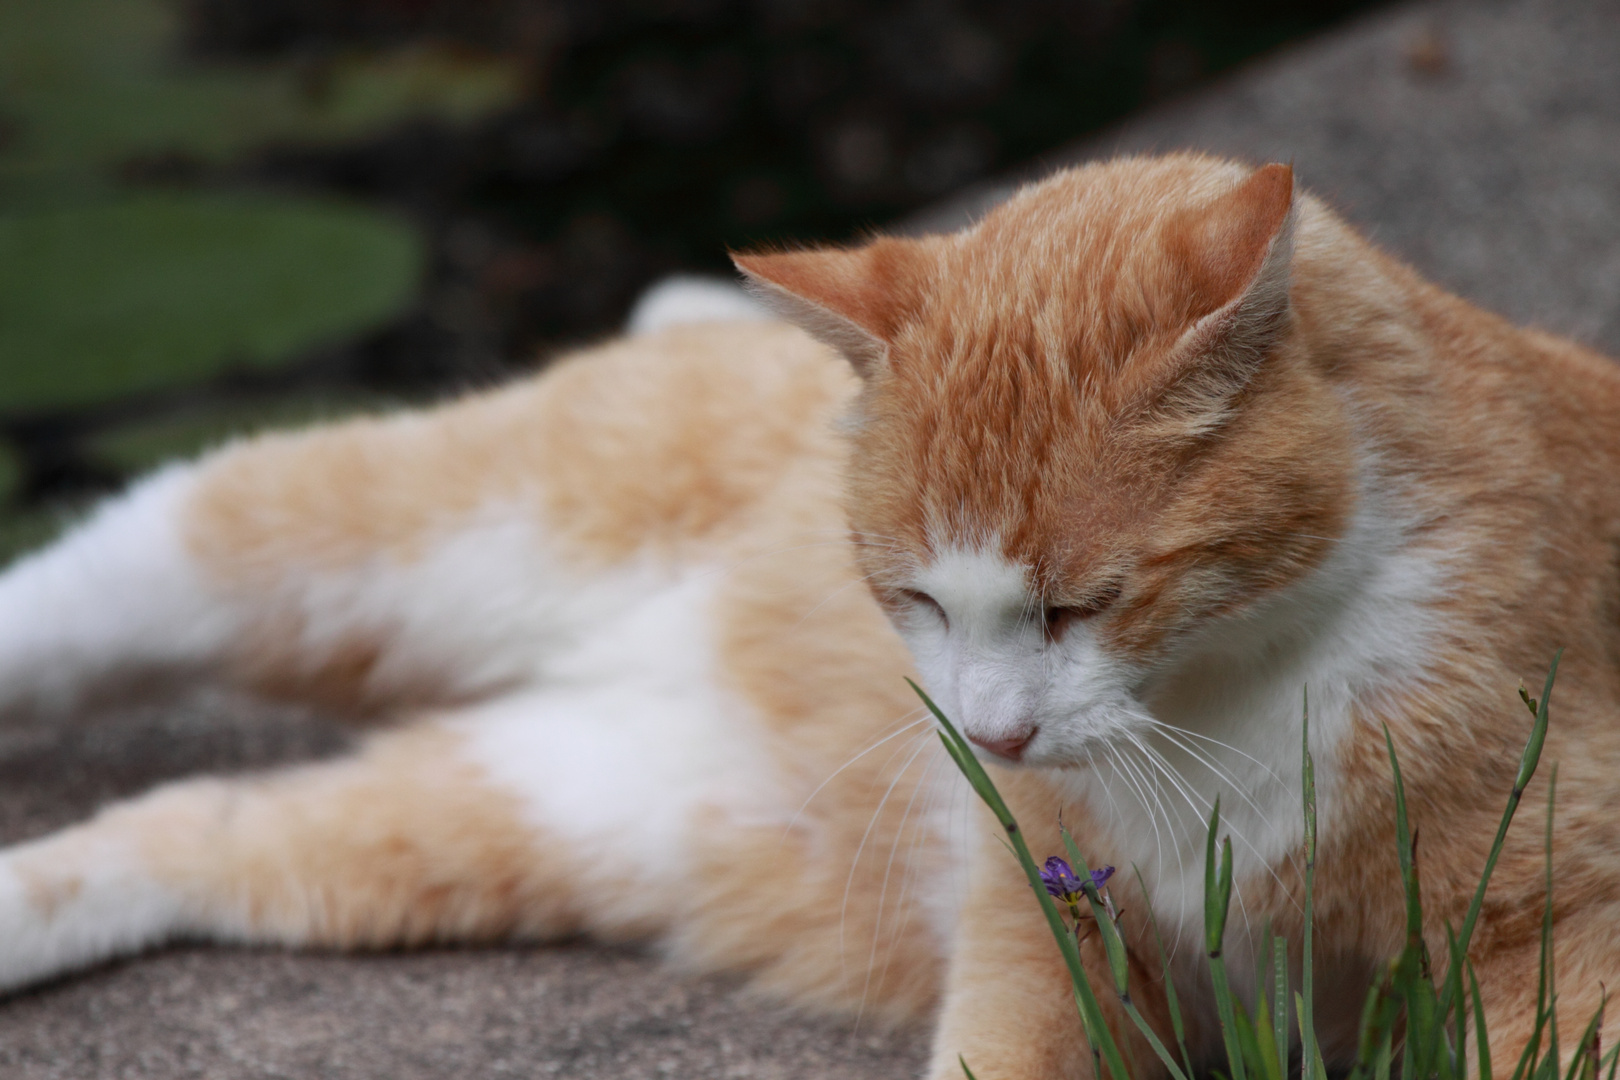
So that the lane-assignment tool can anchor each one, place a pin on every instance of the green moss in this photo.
(155, 290)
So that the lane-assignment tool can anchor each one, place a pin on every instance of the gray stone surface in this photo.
(1481, 141)
(574, 1011)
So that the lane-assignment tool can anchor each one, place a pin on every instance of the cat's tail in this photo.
(689, 298)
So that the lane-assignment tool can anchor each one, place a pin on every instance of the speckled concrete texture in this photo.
(1479, 140)
(573, 1011)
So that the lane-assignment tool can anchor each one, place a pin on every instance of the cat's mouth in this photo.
(1071, 743)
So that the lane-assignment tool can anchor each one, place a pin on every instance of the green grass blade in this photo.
(1279, 1002)
(1482, 1037)
(961, 753)
(1311, 1068)
(1377, 1020)
(1406, 850)
(1217, 899)
(1527, 1056)
(1421, 1049)
(1548, 979)
(1381, 1062)
(1309, 1052)
(969, 1072)
(1527, 769)
(1118, 961)
(1257, 1053)
(1261, 1011)
(1585, 1061)
(1172, 1001)
(1113, 944)
(1454, 990)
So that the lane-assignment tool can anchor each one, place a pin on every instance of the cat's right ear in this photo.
(1235, 255)
(854, 299)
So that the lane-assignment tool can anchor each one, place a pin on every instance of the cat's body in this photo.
(1134, 461)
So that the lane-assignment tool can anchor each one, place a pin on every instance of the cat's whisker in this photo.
(1228, 824)
(1223, 777)
(1174, 826)
(1181, 880)
(1148, 801)
(1161, 725)
(1221, 773)
(917, 717)
(919, 833)
(1231, 829)
(919, 744)
(888, 869)
(920, 830)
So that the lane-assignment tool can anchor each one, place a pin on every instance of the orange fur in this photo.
(1019, 396)
(1159, 388)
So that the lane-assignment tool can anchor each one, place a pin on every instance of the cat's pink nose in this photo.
(1012, 749)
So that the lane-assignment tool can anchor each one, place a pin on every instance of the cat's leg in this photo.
(1585, 958)
(118, 595)
(326, 565)
(1009, 1007)
(427, 557)
(409, 842)
(549, 812)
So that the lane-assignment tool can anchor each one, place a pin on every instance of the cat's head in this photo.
(1088, 438)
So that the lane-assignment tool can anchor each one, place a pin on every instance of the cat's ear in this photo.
(854, 299)
(1237, 252)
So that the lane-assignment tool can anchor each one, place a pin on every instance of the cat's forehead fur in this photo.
(1025, 395)
(1075, 270)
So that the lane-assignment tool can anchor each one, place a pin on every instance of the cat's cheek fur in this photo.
(993, 669)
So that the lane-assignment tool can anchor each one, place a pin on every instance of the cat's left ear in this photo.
(1237, 253)
(854, 299)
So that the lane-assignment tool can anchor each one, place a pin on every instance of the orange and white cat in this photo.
(1118, 471)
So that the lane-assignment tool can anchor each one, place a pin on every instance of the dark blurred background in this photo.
(221, 214)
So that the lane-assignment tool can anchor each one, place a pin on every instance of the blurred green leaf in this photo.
(10, 473)
(156, 290)
(88, 84)
(22, 531)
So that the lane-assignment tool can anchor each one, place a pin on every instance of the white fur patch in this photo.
(977, 667)
(483, 608)
(998, 676)
(628, 736)
(1223, 720)
(1230, 716)
(690, 299)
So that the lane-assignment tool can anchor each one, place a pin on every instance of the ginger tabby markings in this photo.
(1126, 466)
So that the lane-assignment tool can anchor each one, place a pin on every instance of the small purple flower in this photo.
(1061, 880)
(1065, 885)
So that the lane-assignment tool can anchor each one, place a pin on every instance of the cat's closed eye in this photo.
(923, 600)
(1059, 618)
